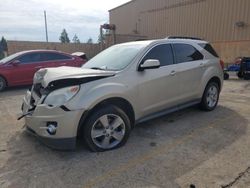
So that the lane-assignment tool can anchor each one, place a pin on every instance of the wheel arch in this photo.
(122, 103)
(217, 80)
(4, 79)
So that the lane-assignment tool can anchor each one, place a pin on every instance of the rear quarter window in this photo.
(49, 56)
(209, 48)
(186, 53)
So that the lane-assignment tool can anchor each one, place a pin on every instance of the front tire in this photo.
(3, 83)
(210, 97)
(106, 129)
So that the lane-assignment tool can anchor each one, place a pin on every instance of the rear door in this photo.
(191, 68)
(158, 88)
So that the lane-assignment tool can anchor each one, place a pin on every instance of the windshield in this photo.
(115, 58)
(9, 58)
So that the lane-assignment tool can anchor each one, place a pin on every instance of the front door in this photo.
(158, 88)
(23, 73)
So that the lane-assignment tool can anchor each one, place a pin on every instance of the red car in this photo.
(19, 69)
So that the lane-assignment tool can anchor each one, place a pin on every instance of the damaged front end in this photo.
(44, 106)
(55, 86)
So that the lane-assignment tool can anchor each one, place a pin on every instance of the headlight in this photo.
(61, 96)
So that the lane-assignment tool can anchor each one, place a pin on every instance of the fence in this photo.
(109, 39)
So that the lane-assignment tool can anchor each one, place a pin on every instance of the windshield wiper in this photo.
(98, 68)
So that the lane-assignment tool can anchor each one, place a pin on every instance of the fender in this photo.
(89, 96)
(211, 72)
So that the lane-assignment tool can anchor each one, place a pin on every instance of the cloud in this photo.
(24, 20)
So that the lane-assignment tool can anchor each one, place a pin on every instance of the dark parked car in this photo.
(19, 68)
(241, 67)
(244, 68)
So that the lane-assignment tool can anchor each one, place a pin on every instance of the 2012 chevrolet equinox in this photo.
(124, 85)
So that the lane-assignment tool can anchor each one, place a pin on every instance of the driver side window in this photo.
(163, 53)
(30, 58)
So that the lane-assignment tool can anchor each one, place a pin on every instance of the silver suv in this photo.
(124, 85)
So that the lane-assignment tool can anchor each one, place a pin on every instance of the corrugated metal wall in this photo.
(213, 20)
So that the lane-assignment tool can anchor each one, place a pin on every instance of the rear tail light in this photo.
(222, 64)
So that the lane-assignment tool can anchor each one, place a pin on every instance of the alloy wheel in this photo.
(108, 131)
(212, 96)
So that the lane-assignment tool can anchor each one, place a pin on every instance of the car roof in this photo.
(147, 42)
(40, 50)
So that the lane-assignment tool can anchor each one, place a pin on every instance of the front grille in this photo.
(37, 89)
(37, 92)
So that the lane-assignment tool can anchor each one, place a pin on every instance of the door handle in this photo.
(173, 73)
(63, 63)
(202, 64)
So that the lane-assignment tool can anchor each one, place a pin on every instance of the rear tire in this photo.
(240, 75)
(210, 97)
(246, 76)
(3, 83)
(106, 128)
(226, 76)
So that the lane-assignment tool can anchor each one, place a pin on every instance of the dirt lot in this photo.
(188, 147)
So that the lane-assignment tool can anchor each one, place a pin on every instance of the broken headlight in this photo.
(61, 96)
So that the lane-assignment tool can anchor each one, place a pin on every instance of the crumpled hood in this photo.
(48, 75)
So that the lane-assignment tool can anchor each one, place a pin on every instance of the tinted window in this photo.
(163, 53)
(54, 56)
(246, 63)
(29, 58)
(186, 53)
(209, 48)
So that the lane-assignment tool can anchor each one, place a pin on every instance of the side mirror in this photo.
(15, 62)
(149, 64)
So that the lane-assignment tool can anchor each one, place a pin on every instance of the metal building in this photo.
(213, 20)
(225, 23)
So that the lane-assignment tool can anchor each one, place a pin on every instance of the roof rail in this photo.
(183, 37)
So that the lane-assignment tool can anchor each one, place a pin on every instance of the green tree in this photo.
(90, 41)
(4, 44)
(64, 38)
(76, 39)
(3, 47)
(1, 55)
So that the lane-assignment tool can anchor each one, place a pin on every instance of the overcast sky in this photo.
(24, 19)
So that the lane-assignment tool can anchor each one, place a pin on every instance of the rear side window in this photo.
(185, 53)
(54, 56)
(209, 48)
(246, 63)
(163, 53)
(30, 58)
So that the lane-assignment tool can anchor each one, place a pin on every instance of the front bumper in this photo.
(37, 119)
(58, 144)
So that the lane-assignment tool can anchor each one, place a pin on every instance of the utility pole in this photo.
(46, 29)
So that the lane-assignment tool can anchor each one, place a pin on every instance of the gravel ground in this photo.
(190, 147)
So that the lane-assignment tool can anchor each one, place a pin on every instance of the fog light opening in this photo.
(51, 128)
